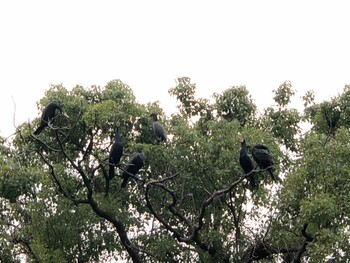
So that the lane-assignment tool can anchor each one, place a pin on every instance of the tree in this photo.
(191, 201)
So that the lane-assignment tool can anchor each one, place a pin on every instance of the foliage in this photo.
(191, 201)
(283, 122)
(235, 104)
(189, 106)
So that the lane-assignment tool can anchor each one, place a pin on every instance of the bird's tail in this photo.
(125, 181)
(39, 130)
(270, 170)
(111, 173)
(252, 182)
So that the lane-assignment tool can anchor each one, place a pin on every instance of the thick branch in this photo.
(308, 239)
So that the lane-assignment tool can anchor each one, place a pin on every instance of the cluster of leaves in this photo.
(193, 202)
(282, 121)
(235, 104)
(327, 117)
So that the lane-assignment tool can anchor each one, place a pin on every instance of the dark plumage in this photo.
(263, 158)
(247, 164)
(115, 154)
(133, 166)
(48, 115)
(158, 129)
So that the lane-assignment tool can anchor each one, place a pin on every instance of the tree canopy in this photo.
(191, 200)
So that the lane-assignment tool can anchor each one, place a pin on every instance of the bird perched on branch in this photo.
(263, 158)
(158, 129)
(133, 167)
(115, 153)
(48, 116)
(247, 164)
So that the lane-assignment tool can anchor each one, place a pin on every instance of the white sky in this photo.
(148, 44)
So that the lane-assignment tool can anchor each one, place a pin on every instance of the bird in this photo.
(48, 115)
(133, 166)
(115, 154)
(247, 164)
(158, 129)
(262, 156)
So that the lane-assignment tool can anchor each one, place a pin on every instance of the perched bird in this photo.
(158, 129)
(263, 158)
(247, 164)
(133, 166)
(115, 154)
(48, 116)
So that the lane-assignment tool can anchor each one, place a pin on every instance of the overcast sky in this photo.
(148, 44)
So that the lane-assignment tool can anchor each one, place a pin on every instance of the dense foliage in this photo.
(191, 202)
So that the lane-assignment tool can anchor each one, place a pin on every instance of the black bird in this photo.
(133, 166)
(158, 129)
(115, 154)
(247, 164)
(263, 158)
(48, 115)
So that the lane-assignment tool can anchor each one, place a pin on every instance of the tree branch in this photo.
(261, 249)
(149, 204)
(26, 243)
(132, 251)
(302, 249)
(58, 183)
(193, 230)
(215, 195)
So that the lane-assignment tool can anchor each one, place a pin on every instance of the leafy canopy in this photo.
(191, 200)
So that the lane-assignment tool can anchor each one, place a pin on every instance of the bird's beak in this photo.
(65, 115)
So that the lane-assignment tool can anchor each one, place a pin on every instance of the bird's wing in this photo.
(159, 129)
(262, 154)
(115, 153)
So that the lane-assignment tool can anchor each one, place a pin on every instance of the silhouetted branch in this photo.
(236, 217)
(58, 183)
(171, 206)
(150, 206)
(308, 239)
(113, 218)
(215, 195)
(193, 230)
(44, 143)
(89, 147)
(105, 174)
(24, 241)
